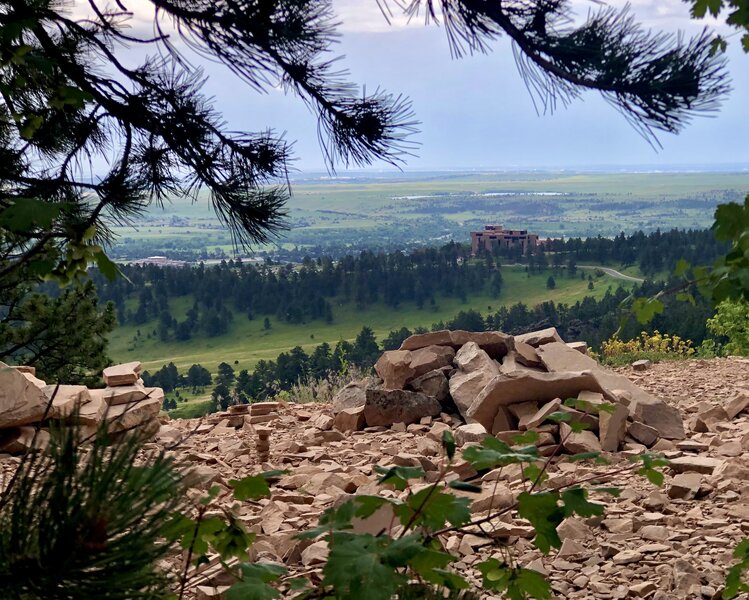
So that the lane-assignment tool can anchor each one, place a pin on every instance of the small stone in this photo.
(644, 434)
(350, 419)
(640, 590)
(626, 557)
(685, 486)
(543, 413)
(124, 374)
(472, 432)
(697, 464)
(642, 365)
(575, 443)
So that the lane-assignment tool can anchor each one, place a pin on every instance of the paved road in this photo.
(612, 272)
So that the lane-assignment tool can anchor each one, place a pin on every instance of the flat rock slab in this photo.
(540, 337)
(124, 374)
(495, 343)
(124, 417)
(66, 399)
(558, 357)
(21, 401)
(695, 464)
(385, 407)
(504, 390)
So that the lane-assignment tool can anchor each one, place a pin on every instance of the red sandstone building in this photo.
(496, 236)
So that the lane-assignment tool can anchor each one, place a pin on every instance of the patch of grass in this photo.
(247, 342)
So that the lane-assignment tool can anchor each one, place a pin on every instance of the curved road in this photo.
(613, 273)
(609, 271)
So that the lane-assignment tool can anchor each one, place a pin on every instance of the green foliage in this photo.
(734, 580)
(87, 521)
(516, 582)
(731, 321)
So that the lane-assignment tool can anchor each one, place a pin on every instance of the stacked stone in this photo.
(28, 405)
(262, 443)
(504, 386)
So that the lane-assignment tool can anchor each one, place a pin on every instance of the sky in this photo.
(475, 112)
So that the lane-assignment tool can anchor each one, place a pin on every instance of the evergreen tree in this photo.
(550, 283)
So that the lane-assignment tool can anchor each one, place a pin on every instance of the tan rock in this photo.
(350, 419)
(612, 427)
(385, 407)
(92, 412)
(495, 343)
(471, 358)
(430, 358)
(434, 383)
(527, 355)
(543, 413)
(575, 443)
(124, 374)
(643, 433)
(685, 486)
(124, 417)
(352, 395)
(472, 432)
(581, 347)
(21, 402)
(642, 365)
(504, 390)
(437, 431)
(695, 464)
(25, 369)
(466, 387)
(539, 338)
(66, 399)
(315, 554)
(19, 440)
(524, 412)
(503, 421)
(394, 368)
(737, 404)
(124, 394)
(558, 357)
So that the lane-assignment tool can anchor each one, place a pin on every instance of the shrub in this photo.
(655, 347)
(731, 321)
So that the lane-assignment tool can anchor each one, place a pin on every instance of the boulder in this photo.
(66, 399)
(558, 357)
(737, 404)
(465, 388)
(543, 413)
(124, 394)
(642, 433)
(394, 368)
(385, 407)
(434, 384)
(124, 417)
(495, 343)
(576, 443)
(430, 358)
(19, 440)
(504, 390)
(350, 419)
(21, 402)
(685, 486)
(471, 432)
(124, 374)
(612, 427)
(539, 338)
(581, 347)
(472, 358)
(352, 395)
(527, 355)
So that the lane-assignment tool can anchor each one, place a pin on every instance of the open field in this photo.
(389, 211)
(247, 342)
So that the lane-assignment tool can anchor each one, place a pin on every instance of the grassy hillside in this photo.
(247, 342)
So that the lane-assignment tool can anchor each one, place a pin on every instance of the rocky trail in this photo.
(670, 542)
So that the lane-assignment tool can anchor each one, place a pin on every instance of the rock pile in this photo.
(28, 406)
(503, 386)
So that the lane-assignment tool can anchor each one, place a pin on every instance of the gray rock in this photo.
(495, 343)
(434, 383)
(539, 338)
(352, 395)
(385, 407)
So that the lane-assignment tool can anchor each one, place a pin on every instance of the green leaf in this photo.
(682, 266)
(398, 476)
(254, 582)
(534, 473)
(686, 297)
(495, 453)
(233, 541)
(26, 214)
(464, 486)
(448, 443)
(109, 269)
(583, 456)
(575, 501)
(366, 506)
(517, 583)
(435, 509)
(211, 495)
(359, 567)
(528, 438)
(253, 487)
(612, 491)
(560, 416)
(333, 519)
(543, 512)
(645, 309)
